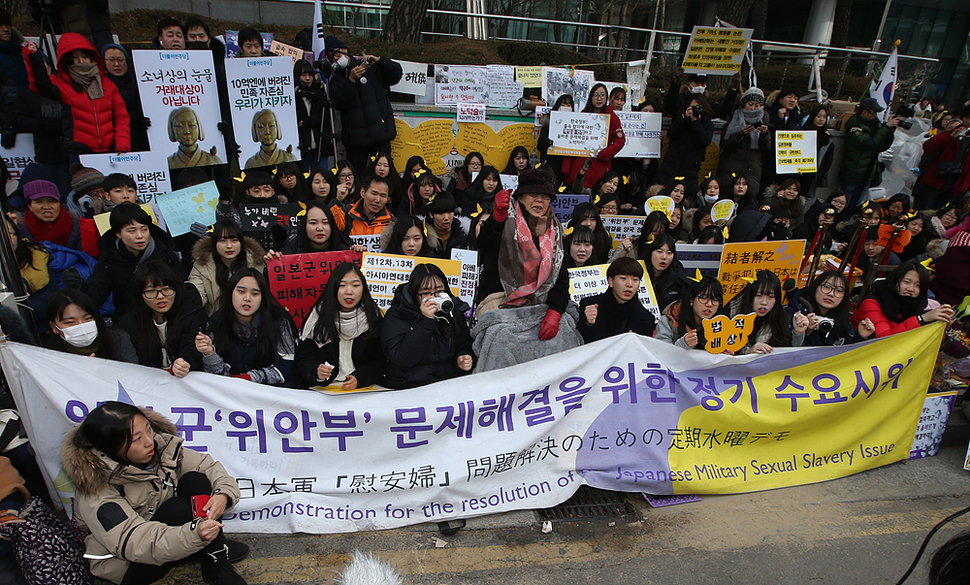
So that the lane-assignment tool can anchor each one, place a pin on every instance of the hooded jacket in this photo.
(116, 501)
(864, 140)
(417, 351)
(203, 273)
(99, 125)
(365, 109)
(116, 266)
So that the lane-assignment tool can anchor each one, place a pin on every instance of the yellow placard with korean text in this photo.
(716, 51)
(745, 259)
(529, 76)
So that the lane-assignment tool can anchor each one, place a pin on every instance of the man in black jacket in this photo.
(358, 89)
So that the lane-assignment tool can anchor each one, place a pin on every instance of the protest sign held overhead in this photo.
(148, 169)
(179, 93)
(716, 50)
(297, 280)
(577, 133)
(263, 111)
(795, 152)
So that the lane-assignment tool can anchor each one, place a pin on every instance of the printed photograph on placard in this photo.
(263, 112)
(179, 93)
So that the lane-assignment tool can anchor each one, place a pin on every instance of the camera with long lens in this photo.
(444, 302)
(825, 325)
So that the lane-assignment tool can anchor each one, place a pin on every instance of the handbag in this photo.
(48, 551)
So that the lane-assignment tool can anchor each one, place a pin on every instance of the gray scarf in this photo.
(88, 76)
(742, 118)
(350, 325)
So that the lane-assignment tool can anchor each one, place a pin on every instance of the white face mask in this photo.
(565, 108)
(343, 61)
(710, 198)
(81, 335)
(698, 88)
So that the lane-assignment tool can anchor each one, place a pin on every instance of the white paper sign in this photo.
(414, 80)
(557, 81)
(621, 227)
(17, 158)
(541, 111)
(471, 113)
(261, 98)
(577, 133)
(385, 272)
(456, 84)
(634, 78)
(503, 91)
(179, 93)
(509, 182)
(371, 242)
(643, 134)
(795, 152)
(148, 169)
(470, 271)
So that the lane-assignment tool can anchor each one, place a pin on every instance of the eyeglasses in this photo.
(429, 294)
(609, 208)
(835, 290)
(599, 95)
(707, 300)
(345, 175)
(153, 293)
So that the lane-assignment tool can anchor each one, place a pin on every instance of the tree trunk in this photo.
(840, 27)
(404, 21)
(759, 14)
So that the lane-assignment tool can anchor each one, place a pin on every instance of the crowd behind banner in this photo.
(185, 208)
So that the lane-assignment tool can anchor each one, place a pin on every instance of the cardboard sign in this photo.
(103, 220)
(703, 257)
(148, 169)
(17, 158)
(232, 42)
(722, 211)
(558, 81)
(564, 203)
(261, 98)
(298, 280)
(578, 133)
(179, 93)
(588, 281)
(724, 333)
(414, 80)
(284, 50)
(372, 242)
(621, 227)
(385, 272)
(661, 203)
(184, 207)
(745, 259)
(270, 224)
(795, 152)
(643, 136)
(471, 113)
(456, 84)
(716, 51)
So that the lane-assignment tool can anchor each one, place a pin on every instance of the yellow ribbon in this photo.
(697, 276)
(302, 209)
(241, 177)
(567, 231)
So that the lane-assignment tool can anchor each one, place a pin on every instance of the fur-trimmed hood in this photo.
(90, 469)
(203, 249)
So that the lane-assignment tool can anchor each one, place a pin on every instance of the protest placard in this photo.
(414, 79)
(564, 203)
(634, 78)
(297, 280)
(385, 272)
(703, 257)
(661, 203)
(148, 169)
(371, 242)
(509, 182)
(471, 113)
(263, 113)
(270, 224)
(284, 50)
(745, 259)
(588, 281)
(503, 90)
(17, 158)
(725, 333)
(722, 211)
(103, 220)
(179, 93)
(456, 84)
(621, 227)
(578, 133)
(576, 82)
(530, 77)
(795, 152)
(182, 208)
(716, 51)
(932, 423)
(643, 137)
(470, 271)
(232, 42)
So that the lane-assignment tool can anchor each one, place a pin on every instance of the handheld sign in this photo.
(661, 203)
(297, 280)
(723, 333)
(716, 51)
(744, 260)
(642, 133)
(578, 133)
(722, 211)
(471, 113)
(270, 224)
(184, 207)
(795, 152)
(588, 281)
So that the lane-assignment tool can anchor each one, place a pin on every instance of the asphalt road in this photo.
(863, 529)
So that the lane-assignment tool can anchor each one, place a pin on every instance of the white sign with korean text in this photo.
(148, 169)
(471, 113)
(455, 84)
(621, 227)
(414, 80)
(795, 152)
(578, 133)
(588, 281)
(17, 158)
(642, 133)
(261, 98)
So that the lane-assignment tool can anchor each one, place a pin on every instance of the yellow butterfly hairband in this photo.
(478, 212)
(568, 231)
(241, 177)
(697, 276)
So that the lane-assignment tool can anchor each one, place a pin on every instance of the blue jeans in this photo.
(856, 190)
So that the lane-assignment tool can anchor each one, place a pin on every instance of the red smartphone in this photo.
(198, 504)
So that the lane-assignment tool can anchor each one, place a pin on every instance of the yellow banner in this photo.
(744, 260)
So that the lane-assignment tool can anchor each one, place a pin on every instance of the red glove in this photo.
(501, 210)
(243, 376)
(550, 325)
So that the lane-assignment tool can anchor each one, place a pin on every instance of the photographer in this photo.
(866, 137)
(745, 140)
(821, 313)
(358, 89)
(690, 134)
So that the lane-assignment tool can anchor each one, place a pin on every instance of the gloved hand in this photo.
(231, 145)
(72, 278)
(501, 210)
(550, 325)
(7, 139)
(199, 230)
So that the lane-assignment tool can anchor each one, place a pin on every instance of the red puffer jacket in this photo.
(101, 125)
(602, 163)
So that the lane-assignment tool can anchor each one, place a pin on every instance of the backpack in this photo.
(48, 551)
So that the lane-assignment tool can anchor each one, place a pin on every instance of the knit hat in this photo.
(105, 48)
(41, 188)
(534, 182)
(84, 179)
(697, 77)
(753, 95)
(332, 43)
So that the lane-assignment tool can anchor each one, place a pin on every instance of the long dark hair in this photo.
(338, 240)
(476, 191)
(426, 178)
(328, 309)
(107, 429)
(407, 179)
(580, 234)
(898, 308)
(400, 229)
(602, 241)
(766, 282)
(23, 253)
(395, 187)
(462, 170)
(104, 346)
(155, 273)
(654, 219)
(659, 241)
(300, 191)
(224, 326)
(840, 314)
(589, 100)
(707, 286)
(226, 229)
(328, 177)
(353, 193)
(510, 167)
(422, 274)
(607, 176)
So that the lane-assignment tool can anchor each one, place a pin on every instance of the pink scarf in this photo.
(528, 272)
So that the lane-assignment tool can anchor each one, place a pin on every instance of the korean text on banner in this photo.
(456, 84)
(745, 259)
(716, 51)
(184, 207)
(588, 281)
(577, 133)
(385, 272)
(270, 224)
(284, 50)
(621, 227)
(564, 204)
(297, 280)
(261, 97)
(17, 158)
(371, 242)
(414, 80)
(795, 152)
(687, 424)
(503, 90)
(148, 169)
(643, 134)
(471, 113)
(178, 91)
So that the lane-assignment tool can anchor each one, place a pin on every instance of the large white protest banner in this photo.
(643, 134)
(577, 133)
(628, 413)
(466, 84)
(263, 111)
(148, 169)
(414, 79)
(179, 93)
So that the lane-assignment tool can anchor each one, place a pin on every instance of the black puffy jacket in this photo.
(365, 109)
